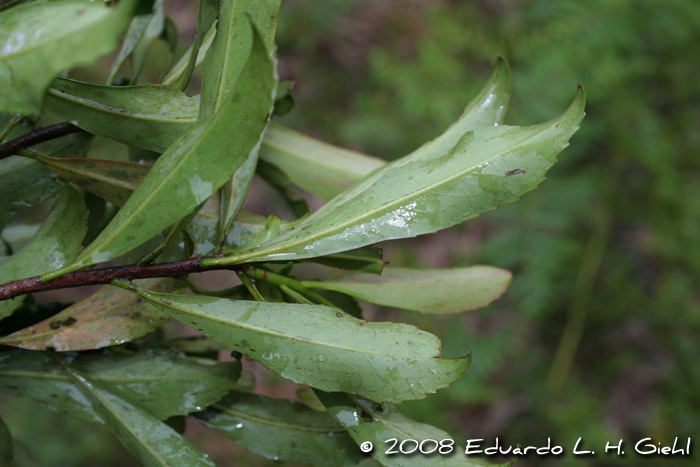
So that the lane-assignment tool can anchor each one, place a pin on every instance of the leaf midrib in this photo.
(372, 213)
(271, 422)
(85, 102)
(39, 44)
(281, 334)
(101, 379)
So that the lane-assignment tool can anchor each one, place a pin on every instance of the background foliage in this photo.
(606, 252)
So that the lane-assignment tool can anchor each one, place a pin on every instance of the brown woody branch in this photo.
(105, 275)
(37, 136)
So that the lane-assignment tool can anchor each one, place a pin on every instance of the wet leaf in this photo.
(367, 260)
(320, 168)
(321, 346)
(161, 381)
(279, 181)
(179, 76)
(111, 316)
(424, 196)
(114, 181)
(368, 421)
(25, 183)
(226, 58)
(248, 230)
(327, 171)
(149, 116)
(438, 291)
(56, 244)
(300, 434)
(487, 109)
(193, 168)
(222, 68)
(41, 39)
(5, 444)
(142, 32)
(151, 441)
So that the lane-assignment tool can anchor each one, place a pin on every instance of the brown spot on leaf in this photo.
(515, 172)
(69, 322)
(339, 314)
(55, 324)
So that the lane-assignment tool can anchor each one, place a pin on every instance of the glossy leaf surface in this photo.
(152, 118)
(487, 109)
(282, 430)
(194, 167)
(320, 168)
(438, 291)
(56, 244)
(111, 316)
(151, 441)
(149, 116)
(321, 346)
(25, 183)
(226, 58)
(114, 181)
(161, 381)
(41, 39)
(489, 167)
(181, 73)
(142, 32)
(221, 70)
(368, 421)
(366, 260)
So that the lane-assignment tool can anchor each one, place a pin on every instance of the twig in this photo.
(105, 275)
(37, 136)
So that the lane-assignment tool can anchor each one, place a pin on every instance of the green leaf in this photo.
(142, 32)
(223, 67)
(225, 60)
(161, 381)
(279, 181)
(179, 76)
(193, 168)
(149, 116)
(109, 317)
(368, 421)
(154, 116)
(25, 183)
(5, 444)
(42, 39)
(487, 109)
(367, 260)
(282, 430)
(151, 441)
(56, 244)
(321, 169)
(489, 167)
(438, 291)
(114, 181)
(326, 171)
(321, 346)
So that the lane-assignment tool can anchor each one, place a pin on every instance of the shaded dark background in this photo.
(598, 336)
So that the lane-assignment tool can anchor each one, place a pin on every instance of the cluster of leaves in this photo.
(185, 211)
(613, 232)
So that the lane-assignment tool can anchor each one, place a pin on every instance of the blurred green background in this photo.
(598, 336)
